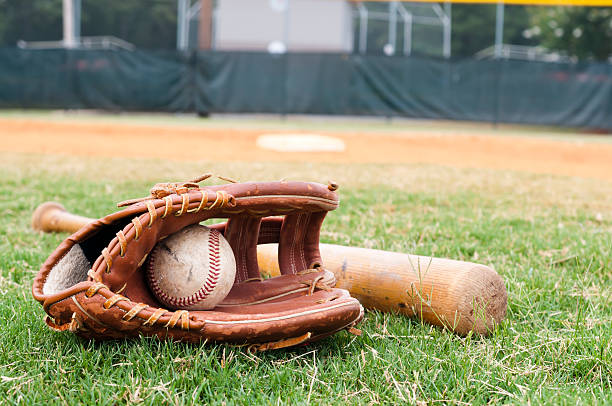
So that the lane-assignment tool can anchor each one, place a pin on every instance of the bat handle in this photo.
(53, 217)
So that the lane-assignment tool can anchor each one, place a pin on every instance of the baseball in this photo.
(192, 269)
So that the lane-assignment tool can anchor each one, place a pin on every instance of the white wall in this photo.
(307, 25)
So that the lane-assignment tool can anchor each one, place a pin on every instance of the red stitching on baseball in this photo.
(214, 264)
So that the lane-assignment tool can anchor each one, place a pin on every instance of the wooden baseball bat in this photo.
(461, 296)
(53, 217)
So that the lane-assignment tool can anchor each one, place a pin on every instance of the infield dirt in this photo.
(512, 152)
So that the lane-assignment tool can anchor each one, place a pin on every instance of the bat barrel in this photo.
(461, 296)
(53, 217)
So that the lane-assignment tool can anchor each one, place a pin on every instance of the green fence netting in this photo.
(567, 94)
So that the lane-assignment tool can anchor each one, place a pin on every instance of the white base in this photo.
(300, 143)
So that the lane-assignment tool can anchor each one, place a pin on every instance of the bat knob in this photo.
(41, 219)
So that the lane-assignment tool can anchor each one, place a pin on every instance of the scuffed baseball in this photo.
(192, 269)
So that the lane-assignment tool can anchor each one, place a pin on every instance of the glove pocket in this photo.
(318, 315)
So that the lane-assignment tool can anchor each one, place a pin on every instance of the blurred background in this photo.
(514, 63)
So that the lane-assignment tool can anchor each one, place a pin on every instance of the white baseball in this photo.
(192, 269)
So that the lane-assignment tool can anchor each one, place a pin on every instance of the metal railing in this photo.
(523, 53)
(100, 42)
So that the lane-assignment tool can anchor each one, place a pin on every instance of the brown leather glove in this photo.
(94, 285)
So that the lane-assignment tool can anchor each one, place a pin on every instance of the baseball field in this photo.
(533, 203)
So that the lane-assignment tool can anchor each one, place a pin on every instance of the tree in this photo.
(584, 32)
(32, 20)
(473, 27)
(145, 23)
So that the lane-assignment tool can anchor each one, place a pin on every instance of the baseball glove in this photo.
(94, 284)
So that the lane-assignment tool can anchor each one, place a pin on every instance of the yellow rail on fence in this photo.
(584, 3)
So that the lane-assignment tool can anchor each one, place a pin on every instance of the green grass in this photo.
(549, 237)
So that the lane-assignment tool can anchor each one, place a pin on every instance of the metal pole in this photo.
(447, 30)
(499, 30)
(407, 18)
(499, 41)
(446, 26)
(68, 23)
(408, 35)
(182, 24)
(392, 25)
(363, 28)
(445, 20)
